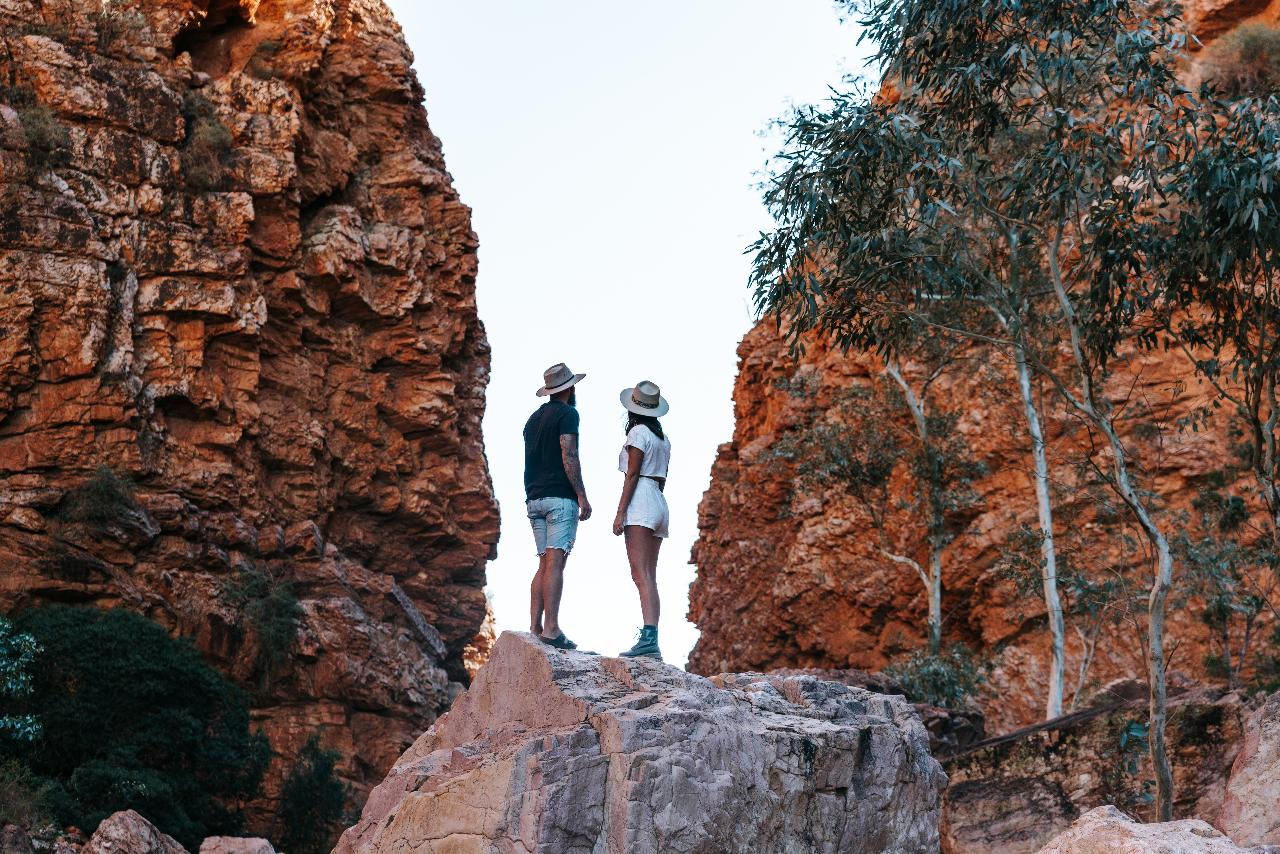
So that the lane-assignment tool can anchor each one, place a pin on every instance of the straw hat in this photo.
(558, 378)
(644, 399)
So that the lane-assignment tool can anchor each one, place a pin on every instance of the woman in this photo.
(642, 510)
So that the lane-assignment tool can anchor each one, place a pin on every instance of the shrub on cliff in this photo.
(267, 603)
(47, 143)
(134, 719)
(947, 678)
(1245, 62)
(311, 801)
(208, 141)
(102, 500)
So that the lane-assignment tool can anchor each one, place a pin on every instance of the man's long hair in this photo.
(634, 418)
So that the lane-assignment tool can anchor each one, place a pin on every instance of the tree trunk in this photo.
(1048, 554)
(935, 601)
(1155, 617)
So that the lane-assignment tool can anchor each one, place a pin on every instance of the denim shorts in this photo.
(555, 523)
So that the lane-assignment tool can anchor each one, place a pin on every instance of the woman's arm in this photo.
(635, 457)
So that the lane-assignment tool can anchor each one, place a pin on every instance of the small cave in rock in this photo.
(210, 39)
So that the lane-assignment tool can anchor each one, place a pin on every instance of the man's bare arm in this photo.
(573, 469)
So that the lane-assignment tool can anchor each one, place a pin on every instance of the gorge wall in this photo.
(233, 269)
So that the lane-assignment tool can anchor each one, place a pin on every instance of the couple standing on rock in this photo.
(556, 499)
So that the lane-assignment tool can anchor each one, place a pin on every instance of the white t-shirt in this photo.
(657, 452)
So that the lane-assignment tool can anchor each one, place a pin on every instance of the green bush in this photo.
(1245, 62)
(311, 801)
(208, 141)
(134, 719)
(47, 144)
(947, 679)
(18, 652)
(102, 500)
(114, 24)
(268, 605)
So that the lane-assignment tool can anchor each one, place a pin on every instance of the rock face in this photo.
(1251, 808)
(129, 833)
(233, 269)
(236, 845)
(1106, 830)
(790, 579)
(1011, 794)
(566, 752)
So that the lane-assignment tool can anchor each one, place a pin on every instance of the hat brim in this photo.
(624, 397)
(544, 391)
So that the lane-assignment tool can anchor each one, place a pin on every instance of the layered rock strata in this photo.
(233, 270)
(565, 751)
(1013, 793)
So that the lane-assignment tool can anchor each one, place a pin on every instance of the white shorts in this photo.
(648, 508)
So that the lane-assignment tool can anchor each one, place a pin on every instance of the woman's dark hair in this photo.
(634, 418)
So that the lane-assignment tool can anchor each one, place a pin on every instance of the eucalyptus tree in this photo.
(1014, 159)
(863, 442)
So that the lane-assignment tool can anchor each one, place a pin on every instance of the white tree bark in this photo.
(1048, 554)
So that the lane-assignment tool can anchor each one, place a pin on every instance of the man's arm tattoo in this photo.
(572, 465)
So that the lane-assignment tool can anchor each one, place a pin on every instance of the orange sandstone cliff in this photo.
(241, 278)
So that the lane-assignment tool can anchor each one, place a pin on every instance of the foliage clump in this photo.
(948, 678)
(207, 144)
(272, 611)
(47, 144)
(134, 719)
(18, 652)
(1245, 63)
(114, 23)
(311, 801)
(105, 499)
(23, 795)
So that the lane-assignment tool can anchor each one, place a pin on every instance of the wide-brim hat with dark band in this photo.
(643, 399)
(557, 378)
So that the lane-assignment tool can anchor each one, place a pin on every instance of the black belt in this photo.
(661, 481)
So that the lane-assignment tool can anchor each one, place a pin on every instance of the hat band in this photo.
(638, 402)
(558, 381)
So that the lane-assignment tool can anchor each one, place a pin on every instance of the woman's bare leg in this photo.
(642, 554)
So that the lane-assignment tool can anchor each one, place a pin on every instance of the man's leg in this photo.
(552, 573)
(535, 598)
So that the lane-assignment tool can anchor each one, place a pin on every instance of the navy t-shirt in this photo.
(544, 475)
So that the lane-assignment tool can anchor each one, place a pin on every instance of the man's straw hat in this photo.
(558, 378)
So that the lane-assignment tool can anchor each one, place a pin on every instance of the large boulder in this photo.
(126, 832)
(556, 751)
(1106, 830)
(1251, 809)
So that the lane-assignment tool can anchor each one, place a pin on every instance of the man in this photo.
(555, 498)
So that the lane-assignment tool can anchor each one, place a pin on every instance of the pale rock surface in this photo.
(236, 845)
(555, 751)
(1251, 809)
(1106, 830)
(126, 832)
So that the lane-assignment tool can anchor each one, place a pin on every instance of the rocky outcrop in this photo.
(129, 833)
(1011, 794)
(1106, 830)
(233, 269)
(565, 751)
(1251, 807)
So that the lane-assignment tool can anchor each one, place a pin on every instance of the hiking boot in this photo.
(559, 641)
(646, 645)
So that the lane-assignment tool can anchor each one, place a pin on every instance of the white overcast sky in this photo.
(610, 152)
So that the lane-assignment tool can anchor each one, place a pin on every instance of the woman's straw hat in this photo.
(643, 399)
